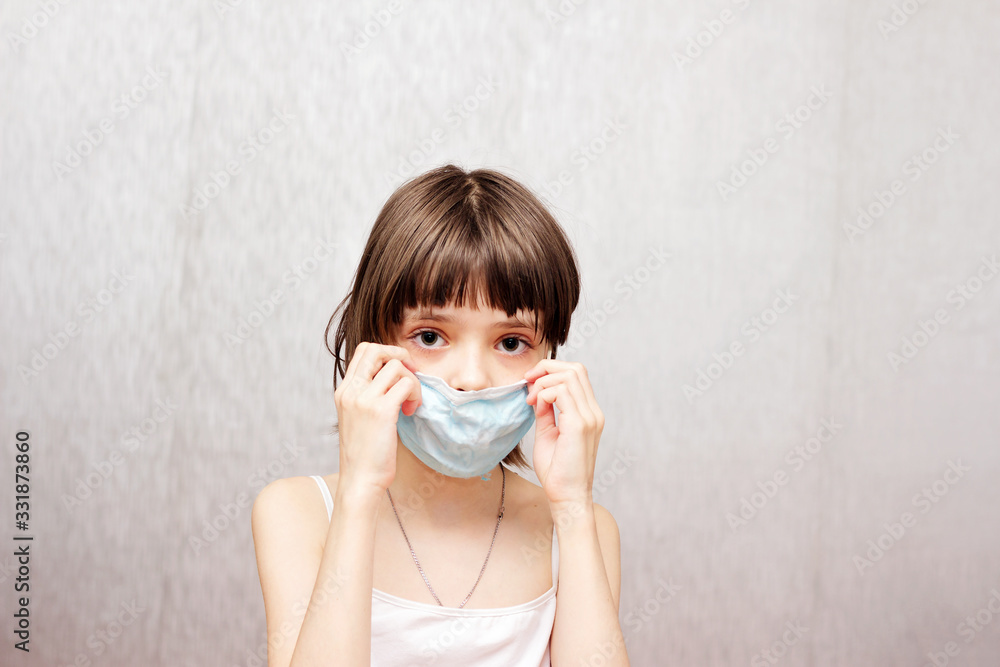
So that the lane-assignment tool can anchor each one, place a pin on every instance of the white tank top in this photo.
(409, 633)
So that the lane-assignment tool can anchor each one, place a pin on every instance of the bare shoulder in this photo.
(300, 491)
(526, 493)
(291, 507)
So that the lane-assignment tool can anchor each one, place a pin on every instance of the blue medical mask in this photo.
(465, 433)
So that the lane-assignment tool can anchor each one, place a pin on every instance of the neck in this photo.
(420, 491)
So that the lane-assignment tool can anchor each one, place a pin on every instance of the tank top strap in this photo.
(327, 498)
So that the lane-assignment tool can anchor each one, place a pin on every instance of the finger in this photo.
(351, 374)
(370, 358)
(389, 376)
(545, 417)
(588, 388)
(377, 355)
(549, 365)
(552, 366)
(571, 379)
(585, 393)
(401, 394)
(542, 367)
(580, 400)
(549, 380)
(559, 396)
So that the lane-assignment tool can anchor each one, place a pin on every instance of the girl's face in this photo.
(471, 348)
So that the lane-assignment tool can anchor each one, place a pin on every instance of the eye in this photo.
(425, 336)
(514, 340)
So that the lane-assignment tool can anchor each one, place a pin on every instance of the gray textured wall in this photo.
(117, 119)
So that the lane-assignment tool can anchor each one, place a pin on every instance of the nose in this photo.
(469, 371)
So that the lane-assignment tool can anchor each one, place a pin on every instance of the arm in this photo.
(586, 624)
(586, 629)
(331, 588)
(337, 581)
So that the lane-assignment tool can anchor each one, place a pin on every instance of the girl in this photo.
(424, 549)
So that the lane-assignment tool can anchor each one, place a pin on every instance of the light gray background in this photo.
(557, 80)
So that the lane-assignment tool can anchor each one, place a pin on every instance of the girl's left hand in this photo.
(565, 454)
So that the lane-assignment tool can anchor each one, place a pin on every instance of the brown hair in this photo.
(450, 235)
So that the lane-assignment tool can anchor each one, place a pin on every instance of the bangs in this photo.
(468, 263)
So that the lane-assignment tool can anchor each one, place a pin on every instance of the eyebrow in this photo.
(437, 317)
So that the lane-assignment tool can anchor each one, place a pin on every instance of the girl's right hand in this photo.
(377, 384)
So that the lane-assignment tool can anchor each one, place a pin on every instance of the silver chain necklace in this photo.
(503, 490)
